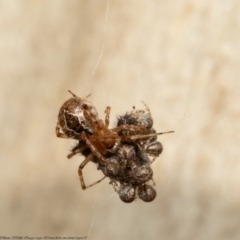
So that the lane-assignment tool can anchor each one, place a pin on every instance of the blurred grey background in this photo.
(180, 57)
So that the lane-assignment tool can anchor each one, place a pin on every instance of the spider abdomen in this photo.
(73, 119)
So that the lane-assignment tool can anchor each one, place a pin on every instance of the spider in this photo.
(78, 119)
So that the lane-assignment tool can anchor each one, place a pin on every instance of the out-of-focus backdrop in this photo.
(180, 57)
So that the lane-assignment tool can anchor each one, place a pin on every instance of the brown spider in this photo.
(78, 119)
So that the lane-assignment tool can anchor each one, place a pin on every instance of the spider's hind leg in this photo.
(80, 174)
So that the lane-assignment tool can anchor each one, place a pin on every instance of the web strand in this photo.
(103, 43)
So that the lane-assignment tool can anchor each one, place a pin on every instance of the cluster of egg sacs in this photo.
(130, 171)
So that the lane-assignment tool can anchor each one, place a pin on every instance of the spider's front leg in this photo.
(80, 174)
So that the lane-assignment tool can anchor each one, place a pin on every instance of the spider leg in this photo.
(73, 94)
(75, 151)
(80, 174)
(131, 128)
(147, 108)
(58, 133)
(97, 124)
(130, 138)
(95, 183)
(77, 96)
(88, 95)
(107, 111)
(145, 136)
(93, 148)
